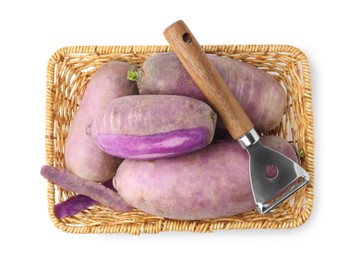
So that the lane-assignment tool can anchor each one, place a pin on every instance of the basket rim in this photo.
(194, 226)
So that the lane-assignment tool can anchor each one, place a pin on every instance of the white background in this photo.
(328, 33)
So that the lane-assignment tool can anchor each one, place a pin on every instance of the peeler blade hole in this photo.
(187, 38)
(271, 171)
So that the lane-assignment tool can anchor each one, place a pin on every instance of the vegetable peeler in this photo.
(289, 177)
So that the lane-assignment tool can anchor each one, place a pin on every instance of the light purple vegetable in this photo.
(94, 190)
(210, 183)
(82, 156)
(260, 95)
(73, 206)
(76, 204)
(154, 126)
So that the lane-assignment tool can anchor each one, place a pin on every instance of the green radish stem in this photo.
(132, 75)
(301, 153)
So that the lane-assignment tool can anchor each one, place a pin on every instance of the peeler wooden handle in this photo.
(205, 75)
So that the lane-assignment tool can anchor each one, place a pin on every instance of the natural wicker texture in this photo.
(71, 68)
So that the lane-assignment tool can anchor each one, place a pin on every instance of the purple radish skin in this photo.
(94, 190)
(76, 204)
(154, 126)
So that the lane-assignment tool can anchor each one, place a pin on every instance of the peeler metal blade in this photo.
(270, 192)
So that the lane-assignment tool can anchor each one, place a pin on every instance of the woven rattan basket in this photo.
(71, 68)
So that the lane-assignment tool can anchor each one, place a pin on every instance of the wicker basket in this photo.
(69, 71)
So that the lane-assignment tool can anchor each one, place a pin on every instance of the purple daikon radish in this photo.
(82, 156)
(154, 126)
(211, 183)
(260, 95)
